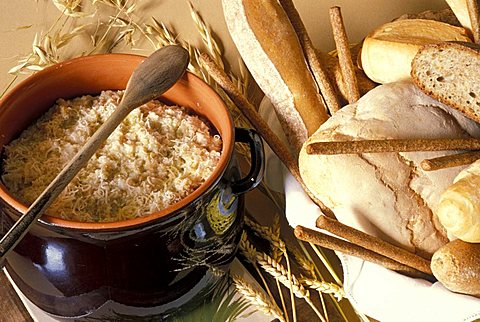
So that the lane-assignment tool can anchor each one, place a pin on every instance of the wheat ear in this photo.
(324, 287)
(288, 280)
(258, 299)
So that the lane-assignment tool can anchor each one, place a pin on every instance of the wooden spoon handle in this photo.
(21, 227)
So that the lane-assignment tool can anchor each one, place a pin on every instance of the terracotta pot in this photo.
(149, 266)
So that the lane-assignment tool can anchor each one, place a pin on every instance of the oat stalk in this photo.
(207, 37)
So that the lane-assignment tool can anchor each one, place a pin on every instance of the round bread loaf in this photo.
(387, 194)
(457, 266)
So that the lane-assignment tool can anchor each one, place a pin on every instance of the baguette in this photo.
(268, 44)
(449, 72)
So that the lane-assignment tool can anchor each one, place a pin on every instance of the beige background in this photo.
(360, 17)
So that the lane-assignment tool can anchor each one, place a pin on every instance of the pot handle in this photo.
(257, 158)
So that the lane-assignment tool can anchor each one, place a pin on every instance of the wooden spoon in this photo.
(154, 76)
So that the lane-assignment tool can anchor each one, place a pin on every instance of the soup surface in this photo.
(158, 155)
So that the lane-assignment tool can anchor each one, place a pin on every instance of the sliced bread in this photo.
(450, 73)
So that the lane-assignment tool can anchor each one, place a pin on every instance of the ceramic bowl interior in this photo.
(25, 103)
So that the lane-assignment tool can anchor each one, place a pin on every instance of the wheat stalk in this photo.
(279, 272)
(272, 235)
(251, 254)
(287, 279)
(247, 249)
(306, 265)
(258, 299)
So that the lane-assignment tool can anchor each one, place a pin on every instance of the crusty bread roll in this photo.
(457, 266)
(267, 42)
(388, 51)
(449, 72)
(459, 206)
(387, 194)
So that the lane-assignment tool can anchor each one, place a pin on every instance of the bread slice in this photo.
(388, 51)
(450, 73)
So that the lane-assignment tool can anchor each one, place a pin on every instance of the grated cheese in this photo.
(158, 155)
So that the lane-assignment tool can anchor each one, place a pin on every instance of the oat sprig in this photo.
(71, 8)
(207, 37)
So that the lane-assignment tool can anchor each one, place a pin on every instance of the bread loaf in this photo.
(457, 266)
(272, 52)
(445, 15)
(461, 11)
(388, 51)
(449, 72)
(387, 194)
(459, 206)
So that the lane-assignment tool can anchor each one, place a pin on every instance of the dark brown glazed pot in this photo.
(149, 266)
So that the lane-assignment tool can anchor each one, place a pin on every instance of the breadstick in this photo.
(259, 124)
(375, 244)
(472, 7)
(336, 244)
(344, 55)
(449, 161)
(318, 70)
(392, 145)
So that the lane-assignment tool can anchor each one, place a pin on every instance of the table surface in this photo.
(11, 306)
